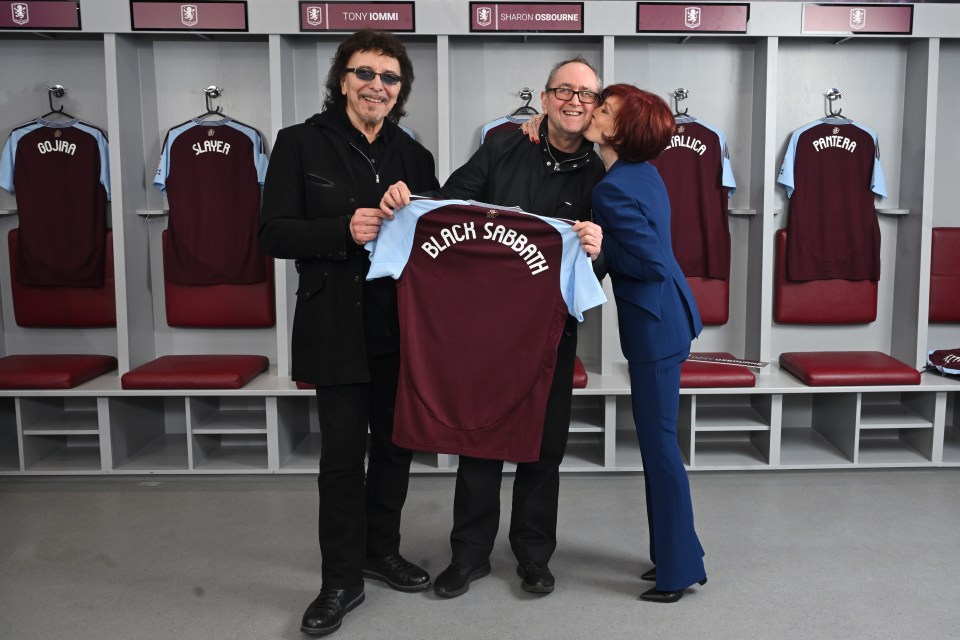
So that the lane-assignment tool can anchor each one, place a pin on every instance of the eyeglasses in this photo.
(366, 74)
(565, 93)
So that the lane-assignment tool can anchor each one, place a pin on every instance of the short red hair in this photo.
(643, 123)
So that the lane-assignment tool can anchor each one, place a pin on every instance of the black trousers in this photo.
(360, 515)
(536, 487)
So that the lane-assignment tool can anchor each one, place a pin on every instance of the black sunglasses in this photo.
(366, 74)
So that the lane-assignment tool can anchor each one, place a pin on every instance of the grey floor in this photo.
(872, 554)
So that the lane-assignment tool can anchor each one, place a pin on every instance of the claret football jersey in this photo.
(483, 294)
(211, 172)
(831, 171)
(60, 173)
(696, 170)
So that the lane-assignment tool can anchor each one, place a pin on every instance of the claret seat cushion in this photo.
(52, 371)
(945, 275)
(713, 299)
(231, 306)
(819, 301)
(63, 306)
(196, 372)
(848, 368)
(695, 374)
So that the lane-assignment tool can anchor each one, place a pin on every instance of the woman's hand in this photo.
(531, 128)
(591, 237)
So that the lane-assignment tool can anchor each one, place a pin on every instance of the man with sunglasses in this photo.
(554, 178)
(320, 205)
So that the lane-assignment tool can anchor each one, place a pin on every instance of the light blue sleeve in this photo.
(490, 125)
(580, 288)
(390, 250)
(163, 168)
(878, 184)
(9, 156)
(727, 180)
(259, 157)
(104, 147)
(786, 171)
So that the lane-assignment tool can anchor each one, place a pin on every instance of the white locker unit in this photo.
(757, 87)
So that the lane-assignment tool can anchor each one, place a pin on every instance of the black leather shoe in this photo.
(649, 576)
(397, 572)
(455, 579)
(653, 595)
(536, 577)
(325, 613)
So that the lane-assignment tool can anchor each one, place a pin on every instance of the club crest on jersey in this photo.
(57, 134)
(20, 12)
(681, 129)
(858, 18)
(314, 16)
(691, 17)
(210, 133)
(188, 14)
(836, 130)
(484, 16)
(492, 213)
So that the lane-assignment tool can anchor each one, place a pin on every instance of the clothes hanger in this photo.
(212, 93)
(680, 95)
(832, 96)
(526, 109)
(56, 91)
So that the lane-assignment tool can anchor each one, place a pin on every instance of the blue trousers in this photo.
(674, 546)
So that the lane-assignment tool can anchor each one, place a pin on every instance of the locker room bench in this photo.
(59, 307)
(832, 302)
(224, 306)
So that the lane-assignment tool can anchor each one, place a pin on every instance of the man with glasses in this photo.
(554, 178)
(320, 205)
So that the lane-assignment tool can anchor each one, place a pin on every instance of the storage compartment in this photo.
(896, 428)
(148, 434)
(60, 434)
(818, 429)
(225, 452)
(61, 453)
(732, 431)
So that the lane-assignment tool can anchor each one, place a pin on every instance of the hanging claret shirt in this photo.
(831, 171)
(60, 173)
(483, 293)
(211, 172)
(696, 170)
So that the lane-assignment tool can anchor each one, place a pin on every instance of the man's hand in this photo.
(397, 195)
(365, 224)
(591, 237)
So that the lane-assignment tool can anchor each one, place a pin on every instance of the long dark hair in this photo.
(379, 42)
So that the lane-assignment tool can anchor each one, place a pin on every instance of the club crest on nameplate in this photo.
(858, 18)
(314, 16)
(691, 17)
(20, 12)
(492, 213)
(188, 14)
(484, 16)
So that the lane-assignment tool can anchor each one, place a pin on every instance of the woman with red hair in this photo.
(657, 315)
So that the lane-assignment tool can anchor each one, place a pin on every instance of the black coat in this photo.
(308, 198)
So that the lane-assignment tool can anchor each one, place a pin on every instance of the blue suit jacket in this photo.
(656, 310)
